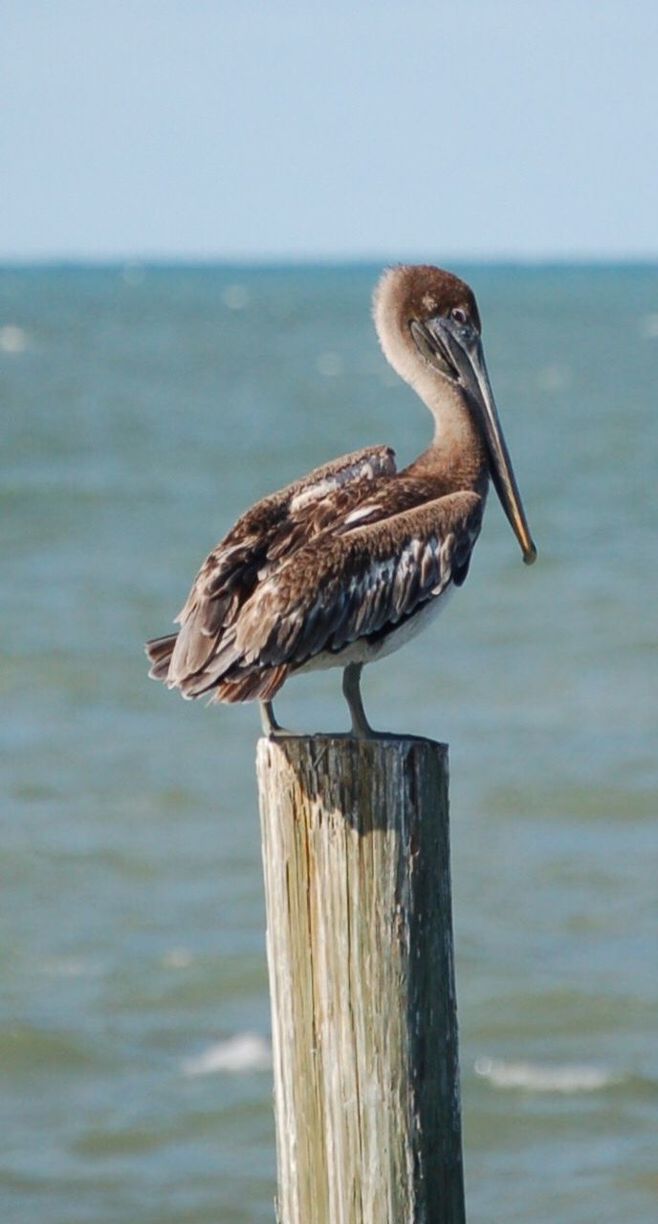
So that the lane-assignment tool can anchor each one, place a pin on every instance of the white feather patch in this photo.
(361, 512)
(314, 493)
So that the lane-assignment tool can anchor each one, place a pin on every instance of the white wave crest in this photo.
(236, 297)
(538, 1077)
(13, 339)
(244, 1052)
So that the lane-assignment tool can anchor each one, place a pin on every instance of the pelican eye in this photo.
(459, 315)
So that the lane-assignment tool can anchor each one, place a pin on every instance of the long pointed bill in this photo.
(462, 347)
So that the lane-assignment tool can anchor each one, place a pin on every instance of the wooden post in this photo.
(359, 945)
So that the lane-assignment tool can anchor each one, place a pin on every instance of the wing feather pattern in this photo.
(261, 540)
(362, 584)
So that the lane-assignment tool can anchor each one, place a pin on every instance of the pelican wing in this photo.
(261, 540)
(361, 583)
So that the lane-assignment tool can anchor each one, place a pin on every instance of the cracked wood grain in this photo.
(360, 954)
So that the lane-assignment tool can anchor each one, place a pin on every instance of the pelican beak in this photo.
(458, 346)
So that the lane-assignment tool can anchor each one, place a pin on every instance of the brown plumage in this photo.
(340, 567)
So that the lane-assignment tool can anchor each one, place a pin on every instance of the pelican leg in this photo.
(271, 727)
(352, 692)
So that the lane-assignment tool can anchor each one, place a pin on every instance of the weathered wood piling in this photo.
(359, 943)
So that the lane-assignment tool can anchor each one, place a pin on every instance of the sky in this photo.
(213, 129)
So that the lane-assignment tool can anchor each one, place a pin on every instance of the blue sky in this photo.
(487, 128)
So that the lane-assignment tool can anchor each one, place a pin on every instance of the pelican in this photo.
(345, 565)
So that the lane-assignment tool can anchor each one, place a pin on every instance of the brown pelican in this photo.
(345, 565)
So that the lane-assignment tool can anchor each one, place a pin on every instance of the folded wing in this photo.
(259, 543)
(361, 583)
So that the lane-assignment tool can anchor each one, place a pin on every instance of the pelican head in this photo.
(428, 325)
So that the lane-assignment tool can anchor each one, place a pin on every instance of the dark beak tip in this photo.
(530, 555)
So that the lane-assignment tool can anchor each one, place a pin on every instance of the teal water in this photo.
(143, 409)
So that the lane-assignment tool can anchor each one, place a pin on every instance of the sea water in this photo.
(143, 409)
